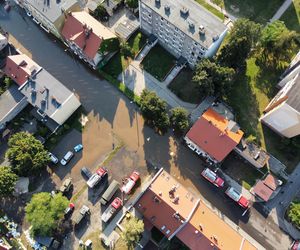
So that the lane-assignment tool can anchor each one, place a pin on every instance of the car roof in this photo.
(233, 194)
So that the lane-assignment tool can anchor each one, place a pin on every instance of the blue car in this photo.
(78, 148)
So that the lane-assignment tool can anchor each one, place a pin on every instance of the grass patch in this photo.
(158, 62)
(184, 88)
(118, 63)
(260, 11)
(243, 173)
(291, 16)
(249, 97)
(211, 9)
(5, 83)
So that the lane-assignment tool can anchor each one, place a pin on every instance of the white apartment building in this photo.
(182, 27)
(49, 14)
(283, 112)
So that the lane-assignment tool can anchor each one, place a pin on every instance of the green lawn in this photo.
(158, 62)
(291, 17)
(184, 88)
(211, 9)
(257, 10)
(245, 174)
(249, 97)
(118, 62)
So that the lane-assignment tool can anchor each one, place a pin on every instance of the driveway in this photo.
(111, 113)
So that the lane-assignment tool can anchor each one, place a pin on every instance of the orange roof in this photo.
(210, 133)
(75, 28)
(159, 207)
(202, 226)
(271, 181)
(20, 67)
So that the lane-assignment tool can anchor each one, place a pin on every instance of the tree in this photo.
(7, 181)
(133, 4)
(44, 212)
(109, 45)
(277, 42)
(179, 119)
(26, 154)
(132, 231)
(125, 49)
(154, 110)
(100, 13)
(242, 38)
(212, 78)
(294, 213)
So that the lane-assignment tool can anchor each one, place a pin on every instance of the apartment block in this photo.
(184, 28)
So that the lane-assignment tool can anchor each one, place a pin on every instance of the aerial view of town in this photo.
(150, 124)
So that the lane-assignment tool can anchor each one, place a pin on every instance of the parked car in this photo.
(81, 214)
(68, 156)
(212, 177)
(96, 178)
(53, 158)
(66, 186)
(237, 197)
(295, 245)
(109, 192)
(130, 182)
(69, 210)
(86, 172)
(78, 148)
(112, 209)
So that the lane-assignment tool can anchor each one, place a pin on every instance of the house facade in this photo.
(53, 103)
(50, 15)
(176, 212)
(213, 136)
(283, 112)
(184, 28)
(87, 37)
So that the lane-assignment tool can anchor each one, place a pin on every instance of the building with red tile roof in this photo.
(213, 136)
(175, 211)
(84, 34)
(265, 190)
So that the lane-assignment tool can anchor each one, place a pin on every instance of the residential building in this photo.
(3, 41)
(87, 37)
(12, 102)
(184, 28)
(213, 136)
(50, 14)
(53, 103)
(283, 112)
(176, 212)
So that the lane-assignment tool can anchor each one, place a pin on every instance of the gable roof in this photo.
(42, 89)
(20, 67)
(86, 32)
(211, 133)
(197, 224)
(262, 190)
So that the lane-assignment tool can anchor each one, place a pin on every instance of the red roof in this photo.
(262, 191)
(210, 133)
(271, 182)
(20, 67)
(76, 27)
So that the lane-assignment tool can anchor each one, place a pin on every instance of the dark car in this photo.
(86, 172)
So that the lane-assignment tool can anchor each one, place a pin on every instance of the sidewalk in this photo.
(137, 80)
(281, 10)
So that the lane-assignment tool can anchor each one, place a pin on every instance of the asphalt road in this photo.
(109, 106)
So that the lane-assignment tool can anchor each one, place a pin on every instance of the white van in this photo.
(68, 156)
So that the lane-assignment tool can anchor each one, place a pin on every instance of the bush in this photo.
(53, 140)
(66, 126)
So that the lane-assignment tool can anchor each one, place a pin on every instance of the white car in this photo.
(53, 158)
(68, 156)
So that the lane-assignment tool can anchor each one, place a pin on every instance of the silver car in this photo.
(53, 158)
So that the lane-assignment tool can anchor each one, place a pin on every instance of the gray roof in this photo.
(294, 94)
(197, 15)
(8, 100)
(52, 9)
(49, 95)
